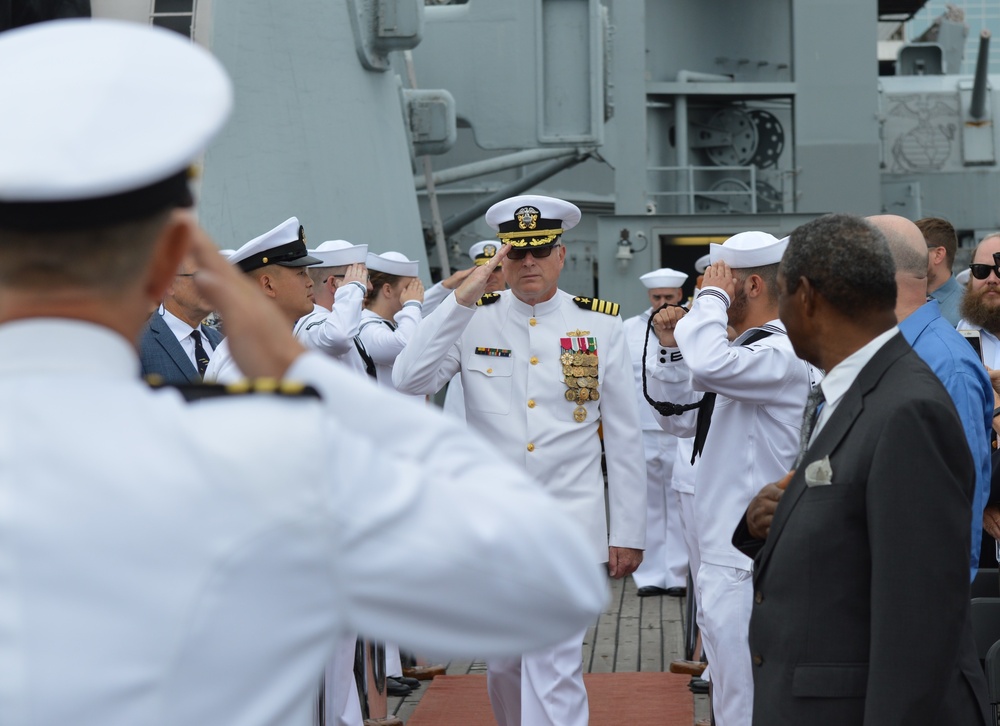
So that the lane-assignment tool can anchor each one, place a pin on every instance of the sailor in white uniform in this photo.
(190, 556)
(340, 284)
(664, 564)
(277, 261)
(541, 370)
(392, 312)
(760, 389)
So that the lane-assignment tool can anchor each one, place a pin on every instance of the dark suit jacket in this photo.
(861, 590)
(162, 355)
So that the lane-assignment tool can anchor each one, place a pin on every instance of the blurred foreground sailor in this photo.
(541, 370)
(664, 564)
(193, 562)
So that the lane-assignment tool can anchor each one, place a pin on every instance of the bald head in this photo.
(909, 255)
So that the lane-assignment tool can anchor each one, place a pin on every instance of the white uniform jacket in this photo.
(333, 331)
(165, 562)
(383, 343)
(754, 436)
(509, 357)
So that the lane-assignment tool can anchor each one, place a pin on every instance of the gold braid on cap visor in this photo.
(530, 238)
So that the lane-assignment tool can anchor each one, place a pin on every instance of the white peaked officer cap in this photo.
(102, 121)
(701, 264)
(227, 253)
(483, 252)
(749, 249)
(531, 220)
(284, 245)
(664, 277)
(393, 263)
(339, 252)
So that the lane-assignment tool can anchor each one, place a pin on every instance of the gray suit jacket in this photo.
(161, 354)
(861, 590)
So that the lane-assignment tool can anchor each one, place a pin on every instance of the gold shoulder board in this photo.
(488, 299)
(201, 391)
(597, 305)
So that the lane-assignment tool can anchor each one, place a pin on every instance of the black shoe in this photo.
(395, 688)
(651, 590)
(411, 683)
(675, 592)
(698, 685)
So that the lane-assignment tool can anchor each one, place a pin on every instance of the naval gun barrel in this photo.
(977, 108)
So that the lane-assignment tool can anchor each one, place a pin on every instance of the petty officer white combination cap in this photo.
(339, 252)
(749, 249)
(483, 252)
(284, 245)
(664, 277)
(102, 121)
(393, 263)
(531, 220)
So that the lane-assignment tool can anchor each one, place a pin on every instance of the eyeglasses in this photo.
(539, 253)
(981, 271)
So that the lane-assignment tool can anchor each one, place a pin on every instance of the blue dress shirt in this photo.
(955, 363)
(949, 296)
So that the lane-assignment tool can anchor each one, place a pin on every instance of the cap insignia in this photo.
(489, 251)
(527, 217)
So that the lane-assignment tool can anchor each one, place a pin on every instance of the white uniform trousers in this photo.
(685, 500)
(393, 664)
(342, 707)
(726, 595)
(541, 688)
(664, 563)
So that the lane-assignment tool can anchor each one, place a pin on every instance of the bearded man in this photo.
(981, 303)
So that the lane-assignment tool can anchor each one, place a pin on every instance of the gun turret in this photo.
(977, 109)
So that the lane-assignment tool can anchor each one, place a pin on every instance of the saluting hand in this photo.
(760, 513)
(456, 278)
(720, 275)
(664, 323)
(414, 290)
(473, 287)
(356, 273)
(259, 336)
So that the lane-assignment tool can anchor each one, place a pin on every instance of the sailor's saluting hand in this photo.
(720, 275)
(474, 285)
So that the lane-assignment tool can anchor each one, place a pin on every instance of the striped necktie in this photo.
(809, 418)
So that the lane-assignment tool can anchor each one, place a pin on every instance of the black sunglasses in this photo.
(539, 253)
(981, 271)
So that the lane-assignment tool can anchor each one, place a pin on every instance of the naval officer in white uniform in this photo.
(541, 369)
(277, 262)
(664, 564)
(166, 561)
(759, 387)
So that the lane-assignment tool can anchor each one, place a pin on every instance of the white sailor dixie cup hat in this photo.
(531, 220)
(701, 264)
(483, 252)
(284, 245)
(664, 277)
(749, 249)
(393, 263)
(103, 121)
(339, 252)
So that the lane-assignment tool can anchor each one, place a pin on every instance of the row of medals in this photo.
(580, 371)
